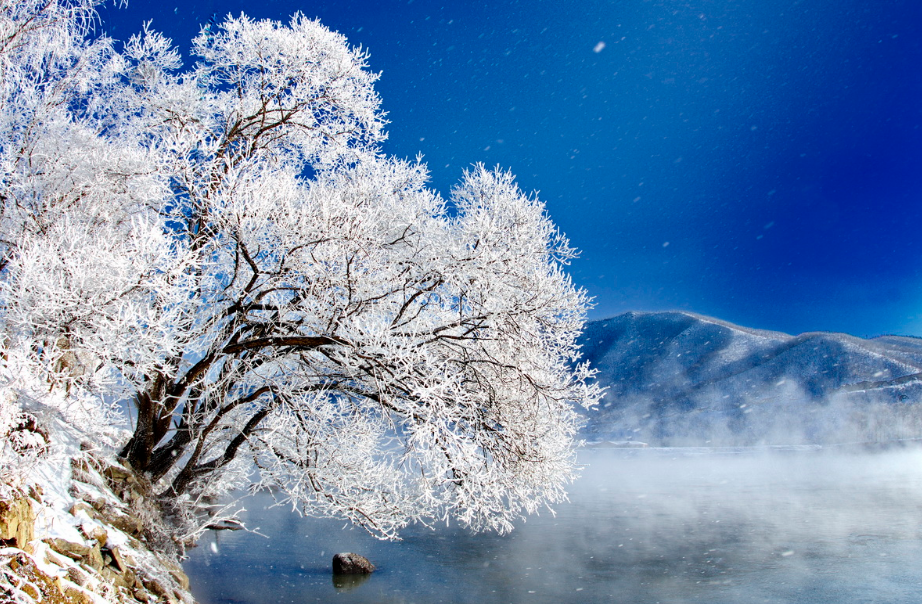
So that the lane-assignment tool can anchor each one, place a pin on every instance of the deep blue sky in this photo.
(755, 160)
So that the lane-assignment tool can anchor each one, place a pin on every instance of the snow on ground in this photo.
(67, 536)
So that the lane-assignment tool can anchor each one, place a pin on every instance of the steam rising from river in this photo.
(668, 525)
(784, 416)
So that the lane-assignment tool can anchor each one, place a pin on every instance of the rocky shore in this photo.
(87, 536)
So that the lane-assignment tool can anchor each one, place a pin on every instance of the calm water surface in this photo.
(657, 525)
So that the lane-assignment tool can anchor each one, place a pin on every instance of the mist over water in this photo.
(678, 379)
(649, 525)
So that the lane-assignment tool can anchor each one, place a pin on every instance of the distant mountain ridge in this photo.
(682, 378)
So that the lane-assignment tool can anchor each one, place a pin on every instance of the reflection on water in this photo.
(661, 525)
(349, 582)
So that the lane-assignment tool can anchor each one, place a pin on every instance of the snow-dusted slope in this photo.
(76, 526)
(681, 378)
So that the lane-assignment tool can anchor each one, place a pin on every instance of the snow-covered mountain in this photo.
(680, 378)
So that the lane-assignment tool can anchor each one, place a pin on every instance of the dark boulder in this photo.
(351, 564)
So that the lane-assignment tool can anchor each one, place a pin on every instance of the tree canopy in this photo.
(226, 247)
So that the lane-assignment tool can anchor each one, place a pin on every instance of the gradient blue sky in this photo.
(754, 160)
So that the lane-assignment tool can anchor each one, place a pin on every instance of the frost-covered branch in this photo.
(227, 249)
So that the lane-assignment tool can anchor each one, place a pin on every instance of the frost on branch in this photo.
(281, 303)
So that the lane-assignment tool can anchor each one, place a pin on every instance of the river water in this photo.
(642, 526)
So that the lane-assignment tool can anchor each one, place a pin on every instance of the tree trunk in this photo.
(148, 403)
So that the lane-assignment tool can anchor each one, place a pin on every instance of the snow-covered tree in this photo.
(227, 248)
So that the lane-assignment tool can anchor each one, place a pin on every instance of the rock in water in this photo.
(351, 564)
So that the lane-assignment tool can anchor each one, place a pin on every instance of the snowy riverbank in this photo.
(75, 525)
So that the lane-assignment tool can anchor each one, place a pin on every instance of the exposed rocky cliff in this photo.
(680, 378)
